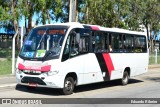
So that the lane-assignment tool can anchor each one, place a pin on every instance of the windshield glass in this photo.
(44, 41)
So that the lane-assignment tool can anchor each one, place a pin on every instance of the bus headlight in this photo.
(50, 73)
(19, 71)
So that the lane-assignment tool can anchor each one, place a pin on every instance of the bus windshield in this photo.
(44, 41)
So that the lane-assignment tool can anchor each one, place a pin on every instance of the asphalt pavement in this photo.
(7, 81)
(10, 80)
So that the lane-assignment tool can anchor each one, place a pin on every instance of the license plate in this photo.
(32, 84)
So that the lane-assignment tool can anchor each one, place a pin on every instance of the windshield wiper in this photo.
(41, 39)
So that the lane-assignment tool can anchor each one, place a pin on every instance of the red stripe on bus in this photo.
(43, 68)
(108, 62)
(46, 68)
(94, 28)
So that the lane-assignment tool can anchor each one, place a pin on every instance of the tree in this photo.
(10, 15)
(43, 8)
(6, 21)
(106, 13)
(126, 14)
(151, 19)
(62, 12)
(133, 14)
(31, 5)
(46, 10)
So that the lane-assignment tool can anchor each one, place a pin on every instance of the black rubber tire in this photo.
(125, 78)
(68, 86)
(30, 88)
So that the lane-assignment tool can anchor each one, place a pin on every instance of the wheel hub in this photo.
(68, 85)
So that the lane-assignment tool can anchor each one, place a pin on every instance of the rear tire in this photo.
(68, 86)
(125, 78)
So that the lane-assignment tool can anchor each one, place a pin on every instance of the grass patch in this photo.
(6, 60)
(7, 53)
(5, 67)
(152, 59)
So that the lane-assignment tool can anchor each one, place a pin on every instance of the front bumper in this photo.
(54, 81)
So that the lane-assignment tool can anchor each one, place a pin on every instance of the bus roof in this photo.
(96, 27)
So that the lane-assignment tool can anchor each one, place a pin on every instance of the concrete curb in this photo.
(8, 85)
(8, 75)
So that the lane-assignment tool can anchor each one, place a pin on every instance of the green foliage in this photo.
(108, 13)
(5, 67)
(128, 14)
(152, 59)
(7, 53)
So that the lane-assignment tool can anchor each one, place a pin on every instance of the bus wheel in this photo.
(125, 78)
(68, 86)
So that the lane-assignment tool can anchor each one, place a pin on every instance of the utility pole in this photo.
(72, 11)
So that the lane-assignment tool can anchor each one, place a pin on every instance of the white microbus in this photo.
(70, 54)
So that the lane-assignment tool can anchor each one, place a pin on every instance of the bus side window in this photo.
(82, 38)
(93, 42)
(77, 43)
(74, 50)
(66, 49)
(129, 43)
(100, 42)
(140, 44)
(110, 43)
(70, 48)
(83, 45)
(116, 42)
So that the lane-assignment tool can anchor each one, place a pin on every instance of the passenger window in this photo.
(66, 49)
(74, 49)
(100, 42)
(115, 42)
(82, 40)
(140, 44)
(128, 43)
(77, 43)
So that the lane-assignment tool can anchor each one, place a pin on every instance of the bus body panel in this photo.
(92, 71)
(89, 68)
(85, 66)
(138, 64)
(74, 65)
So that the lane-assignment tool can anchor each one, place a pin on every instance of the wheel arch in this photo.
(74, 76)
(128, 70)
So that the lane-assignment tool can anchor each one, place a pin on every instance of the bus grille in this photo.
(33, 80)
(31, 73)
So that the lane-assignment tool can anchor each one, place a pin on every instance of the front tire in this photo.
(125, 78)
(30, 88)
(68, 86)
